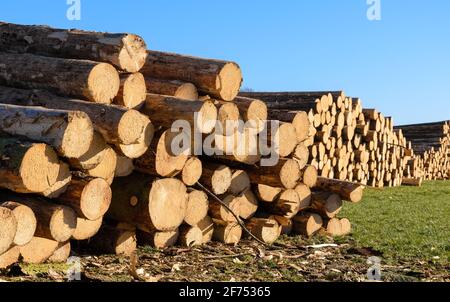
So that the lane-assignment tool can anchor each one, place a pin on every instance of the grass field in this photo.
(408, 228)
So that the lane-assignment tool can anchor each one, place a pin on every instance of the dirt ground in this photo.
(292, 259)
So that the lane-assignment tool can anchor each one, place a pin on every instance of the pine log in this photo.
(253, 111)
(267, 193)
(69, 132)
(62, 182)
(93, 157)
(148, 203)
(93, 81)
(159, 240)
(26, 222)
(326, 204)
(228, 117)
(207, 228)
(9, 257)
(287, 205)
(301, 124)
(217, 177)
(197, 207)
(175, 88)
(240, 182)
(333, 227)
(86, 228)
(307, 224)
(8, 228)
(219, 79)
(309, 176)
(89, 198)
(38, 250)
(415, 182)
(165, 110)
(132, 91)
(192, 171)
(61, 254)
(248, 204)
(27, 167)
(266, 230)
(124, 166)
(116, 241)
(304, 195)
(346, 227)
(55, 222)
(286, 173)
(347, 190)
(190, 236)
(227, 232)
(130, 130)
(106, 168)
(286, 224)
(220, 212)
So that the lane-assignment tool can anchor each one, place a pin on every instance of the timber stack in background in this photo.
(87, 164)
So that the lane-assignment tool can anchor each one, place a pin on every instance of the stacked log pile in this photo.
(92, 160)
(431, 144)
(348, 142)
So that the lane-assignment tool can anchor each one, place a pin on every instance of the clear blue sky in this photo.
(400, 65)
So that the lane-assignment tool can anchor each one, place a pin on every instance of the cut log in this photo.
(228, 118)
(333, 227)
(326, 204)
(38, 250)
(240, 182)
(220, 212)
(93, 157)
(227, 232)
(27, 167)
(175, 88)
(207, 228)
(304, 195)
(159, 240)
(125, 51)
(89, 198)
(309, 176)
(346, 226)
(216, 177)
(93, 81)
(301, 124)
(8, 228)
(287, 205)
(124, 166)
(132, 91)
(86, 228)
(415, 182)
(111, 240)
(9, 257)
(283, 141)
(307, 224)
(347, 190)
(165, 110)
(197, 207)
(219, 79)
(26, 222)
(106, 168)
(253, 111)
(267, 194)
(61, 184)
(55, 222)
(301, 155)
(118, 126)
(69, 132)
(286, 224)
(266, 230)
(248, 204)
(286, 173)
(190, 236)
(61, 254)
(148, 203)
(192, 171)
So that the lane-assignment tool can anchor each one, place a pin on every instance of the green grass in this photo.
(405, 222)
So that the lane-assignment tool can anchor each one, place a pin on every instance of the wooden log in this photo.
(26, 222)
(290, 100)
(61, 254)
(158, 240)
(197, 207)
(190, 236)
(116, 241)
(286, 224)
(132, 91)
(124, 166)
(106, 169)
(306, 224)
(89, 198)
(175, 88)
(148, 203)
(333, 227)
(192, 171)
(348, 191)
(326, 204)
(217, 177)
(301, 124)
(93, 81)
(267, 193)
(9, 257)
(266, 230)
(219, 79)
(304, 195)
(227, 232)
(55, 222)
(62, 182)
(164, 110)
(125, 51)
(346, 227)
(248, 204)
(93, 157)
(38, 250)
(228, 118)
(8, 228)
(69, 132)
(286, 173)
(415, 182)
(253, 111)
(219, 211)
(127, 129)
(207, 228)
(86, 228)
(240, 182)
(309, 176)
(27, 167)
(287, 205)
